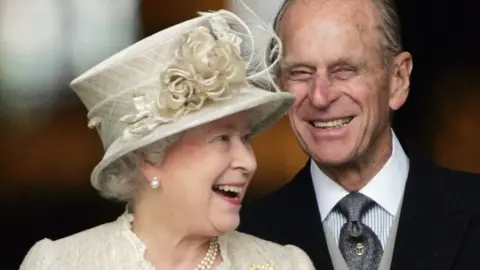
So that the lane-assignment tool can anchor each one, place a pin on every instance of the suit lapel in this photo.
(431, 225)
(304, 211)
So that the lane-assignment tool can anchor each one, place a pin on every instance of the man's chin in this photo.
(332, 159)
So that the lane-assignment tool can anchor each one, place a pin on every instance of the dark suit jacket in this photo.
(439, 224)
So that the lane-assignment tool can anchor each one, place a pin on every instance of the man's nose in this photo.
(322, 93)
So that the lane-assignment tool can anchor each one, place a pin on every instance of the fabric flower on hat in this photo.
(205, 69)
(206, 66)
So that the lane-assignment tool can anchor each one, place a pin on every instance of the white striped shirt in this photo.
(386, 189)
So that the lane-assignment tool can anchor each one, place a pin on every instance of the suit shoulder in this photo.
(426, 168)
(463, 186)
(241, 247)
(258, 216)
(278, 196)
(456, 180)
(262, 216)
(467, 179)
(299, 186)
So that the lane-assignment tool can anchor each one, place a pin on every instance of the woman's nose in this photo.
(244, 157)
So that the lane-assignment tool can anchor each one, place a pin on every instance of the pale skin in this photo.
(333, 65)
(177, 220)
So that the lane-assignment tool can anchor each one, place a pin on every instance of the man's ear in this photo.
(400, 80)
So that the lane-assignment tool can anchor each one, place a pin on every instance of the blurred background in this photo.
(47, 152)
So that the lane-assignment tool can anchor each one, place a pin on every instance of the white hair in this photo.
(121, 179)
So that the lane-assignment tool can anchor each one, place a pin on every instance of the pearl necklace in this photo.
(210, 257)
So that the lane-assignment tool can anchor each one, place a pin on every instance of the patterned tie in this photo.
(358, 244)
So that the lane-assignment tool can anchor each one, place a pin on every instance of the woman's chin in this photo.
(226, 222)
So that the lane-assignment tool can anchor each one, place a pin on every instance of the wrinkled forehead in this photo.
(340, 27)
(362, 13)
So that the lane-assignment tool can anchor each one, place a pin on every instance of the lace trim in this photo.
(139, 247)
(125, 222)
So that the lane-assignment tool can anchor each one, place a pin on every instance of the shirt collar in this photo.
(386, 187)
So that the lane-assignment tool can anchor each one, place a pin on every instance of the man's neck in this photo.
(355, 175)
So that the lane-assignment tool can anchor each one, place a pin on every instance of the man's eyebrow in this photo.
(291, 63)
(349, 62)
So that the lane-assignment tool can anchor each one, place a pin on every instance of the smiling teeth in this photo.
(230, 188)
(334, 123)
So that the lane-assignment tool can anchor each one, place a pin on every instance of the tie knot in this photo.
(354, 206)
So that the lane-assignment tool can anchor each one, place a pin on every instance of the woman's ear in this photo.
(149, 170)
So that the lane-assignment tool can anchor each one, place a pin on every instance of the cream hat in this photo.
(190, 74)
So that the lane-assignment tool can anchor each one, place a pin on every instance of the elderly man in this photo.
(361, 202)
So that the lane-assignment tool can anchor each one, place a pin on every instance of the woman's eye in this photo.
(247, 137)
(222, 138)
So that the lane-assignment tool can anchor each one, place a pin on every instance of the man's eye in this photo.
(344, 73)
(298, 75)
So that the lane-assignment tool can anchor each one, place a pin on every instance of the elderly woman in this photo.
(175, 113)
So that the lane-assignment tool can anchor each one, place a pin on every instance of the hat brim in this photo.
(263, 107)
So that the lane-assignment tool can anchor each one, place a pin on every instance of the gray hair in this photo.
(121, 180)
(391, 43)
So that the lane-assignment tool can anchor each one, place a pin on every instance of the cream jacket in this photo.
(114, 246)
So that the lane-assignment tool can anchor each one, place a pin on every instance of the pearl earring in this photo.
(154, 183)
